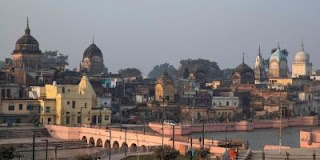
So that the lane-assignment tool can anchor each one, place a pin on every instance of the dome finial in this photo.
(259, 50)
(242, 57)
(279, 45)
(93, 39)
(302, 46)
(27, 30)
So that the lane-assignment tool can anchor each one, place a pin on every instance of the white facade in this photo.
(225, 101)
(301, 65)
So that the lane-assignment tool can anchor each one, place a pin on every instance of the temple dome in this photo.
(243, 68)
(91, 51)
(301, 56)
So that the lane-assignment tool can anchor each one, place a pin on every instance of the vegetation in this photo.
(2, 64)
(84, 157)
(166, 153)
(8, 153)
(130, 72)
(158, 70)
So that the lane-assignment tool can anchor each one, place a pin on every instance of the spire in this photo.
(259, 50)
(93, 39)
(27, 30)
(279, 45)
(302, 46)
(242, 57)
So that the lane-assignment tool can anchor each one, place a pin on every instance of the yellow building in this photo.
(164, 88)
(71, 104)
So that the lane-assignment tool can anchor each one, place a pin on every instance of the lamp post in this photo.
(163, 102)
(100, 117)
(46, 140)
(33, 146)
(81, 115)
(109, 151)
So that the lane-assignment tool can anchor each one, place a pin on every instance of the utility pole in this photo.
(191, 148)
(81, 115)
(100, 119)
(46, 140)
(202, 133)
(33, 146)
(125, 147)
(173, 136)
(280, 130)
(55, 152)
(144, 122)
(109, 151)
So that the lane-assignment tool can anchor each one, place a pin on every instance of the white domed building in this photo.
(301, 65)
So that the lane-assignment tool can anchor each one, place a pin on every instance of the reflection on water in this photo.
(260, 137)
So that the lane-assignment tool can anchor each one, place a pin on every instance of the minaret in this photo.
(259, 69)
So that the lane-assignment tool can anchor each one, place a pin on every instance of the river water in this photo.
(260, 137)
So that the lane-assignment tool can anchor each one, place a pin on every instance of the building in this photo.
(71, 104)
(243, 74)
(164, 88)
(301, 65)
(27, 53)
(260, 74)
(278, 67)
(92, 61)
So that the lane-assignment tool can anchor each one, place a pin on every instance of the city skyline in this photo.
(161, 36)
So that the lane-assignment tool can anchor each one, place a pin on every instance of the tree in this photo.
(84, 157)
(2, 64)
(203, 69)
(186, 73)
(203, 153)
(8, 152)
(130, 72)
(166, 153)
(158, 70)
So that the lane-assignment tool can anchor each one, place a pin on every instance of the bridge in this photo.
(124, 140)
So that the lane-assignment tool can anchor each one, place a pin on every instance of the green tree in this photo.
(2, 64)
(158, 70)
(203, 69)
(202, 154)
(8, 152)
(130, 72)
(166, 153)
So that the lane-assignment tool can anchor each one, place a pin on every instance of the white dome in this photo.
(301, 57)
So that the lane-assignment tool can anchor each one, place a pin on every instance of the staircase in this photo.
(13, 133)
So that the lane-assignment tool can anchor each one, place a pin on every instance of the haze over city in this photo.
(143, 33)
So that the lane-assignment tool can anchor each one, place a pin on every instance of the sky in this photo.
(145, 33)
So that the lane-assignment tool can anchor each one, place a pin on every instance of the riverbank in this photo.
(186, 129)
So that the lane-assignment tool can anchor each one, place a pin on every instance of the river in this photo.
(260, 137)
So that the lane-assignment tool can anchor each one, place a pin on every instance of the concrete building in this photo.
(301, 65)
(71, 104)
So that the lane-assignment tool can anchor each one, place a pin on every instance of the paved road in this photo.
(121, 156)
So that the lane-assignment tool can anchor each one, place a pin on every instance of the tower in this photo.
(301, 65)
(92, 61)
(259, 69)
(278, 67)
(27, 53)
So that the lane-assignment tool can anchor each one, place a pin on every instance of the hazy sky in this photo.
(144, 33)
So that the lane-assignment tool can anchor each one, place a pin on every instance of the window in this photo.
(63, 90)
(67, 120)
(68, 102)
(79, 119)
(8, 93)
(47, 109)
(29, 107)
(49, 120)
(85, 105)
(3, 93)
(73, 104)
(11, 107)
(106, 117)
(20, 106)
(227, 103)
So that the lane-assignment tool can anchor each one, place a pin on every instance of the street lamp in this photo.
(109, 143)
(46, 140)
(163, 101)
(81, 115)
